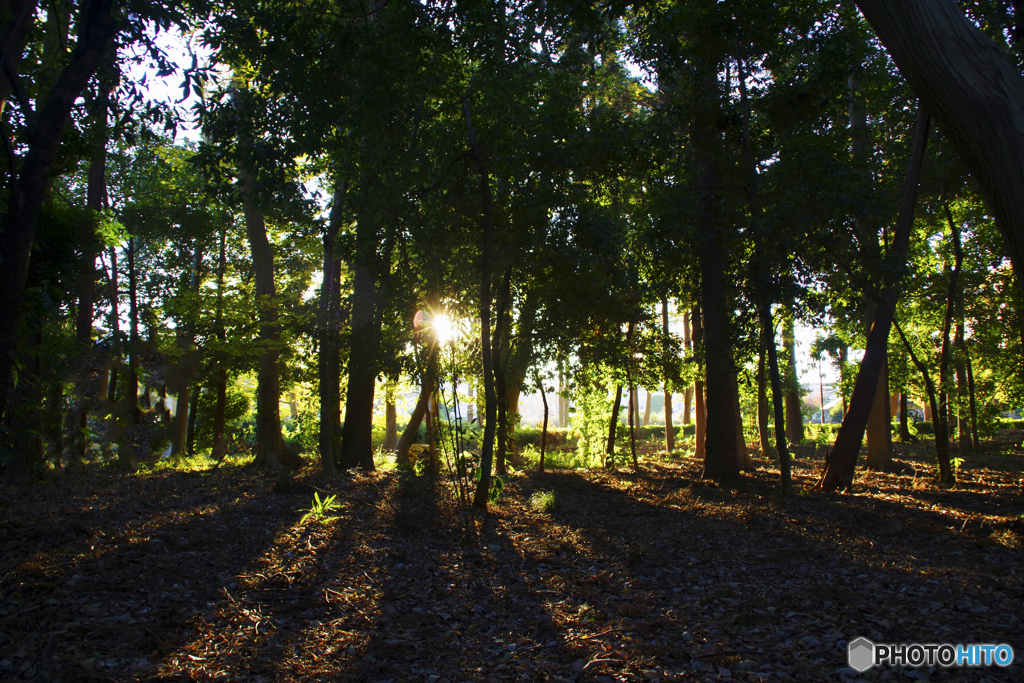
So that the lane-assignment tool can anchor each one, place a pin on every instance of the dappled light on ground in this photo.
(619, 576)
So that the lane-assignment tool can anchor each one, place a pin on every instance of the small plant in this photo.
(319, 508)
(543, 501)
(957, 462)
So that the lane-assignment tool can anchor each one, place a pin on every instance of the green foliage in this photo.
(924, 427)
(588, 420)
(319, 509)
(543, 501)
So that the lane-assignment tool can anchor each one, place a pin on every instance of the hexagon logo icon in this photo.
(861, 654)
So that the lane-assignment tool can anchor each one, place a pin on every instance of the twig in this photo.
(723, 653)
(596, 635)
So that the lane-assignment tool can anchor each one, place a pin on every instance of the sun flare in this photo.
(444, 328)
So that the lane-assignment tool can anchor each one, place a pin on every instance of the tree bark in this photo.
(329, 361)
(941, 445)
(763, 434)
(974, 93)
(357, 431)
(271, 451)
(842, 461)
(544, 429)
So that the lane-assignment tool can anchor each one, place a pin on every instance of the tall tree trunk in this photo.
(563, 402)
(221, 385)
(188, 365)
(688, 345)
(125, 453)
(503, 320)
(193, 417)
(670, 435)
(976, 96)
(609, 460)
(768, 332)
(941, 445)
(329, 362)
(95, 27)
(791, 378)
(483, 489)
(973, 404)
(942, 426)
(633, 412)
(647, 408)
(357, 430)
(721, 456)
(763, 434)
(271, 451)
(544, 429)
(698, 391)
(843, 458)
(904, 419)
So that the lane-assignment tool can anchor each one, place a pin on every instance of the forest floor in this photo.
(654, 575)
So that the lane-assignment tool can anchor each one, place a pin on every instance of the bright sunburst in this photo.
(444, 328)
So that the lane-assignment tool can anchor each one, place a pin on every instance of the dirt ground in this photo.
(650, 576)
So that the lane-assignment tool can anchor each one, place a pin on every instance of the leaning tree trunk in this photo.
(271, 451)
(843, 458)
(428, 381)
(95, 27)
(976, 96)
(613, 423)
(941, 445)
(879, 438)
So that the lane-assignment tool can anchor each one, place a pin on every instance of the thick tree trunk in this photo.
(357, 430)
(843, 458)
(193, 418)
(95, 28)
(633, 412)
(976, 96)
(904, 419)
(271, 451)
(670, 435)
(647, 408)
(879, 431)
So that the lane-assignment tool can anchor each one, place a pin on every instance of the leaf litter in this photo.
(647, 576)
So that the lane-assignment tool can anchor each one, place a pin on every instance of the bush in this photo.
(543, 501)
(924, 427)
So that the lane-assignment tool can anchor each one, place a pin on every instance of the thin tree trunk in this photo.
(941, 446)
(974, 405)
(794, 416)
(688, 345)
(221, 385)
(193, 417)
(763, 434)
(843, 458)
(768, 330)
(609, 460)
(390, 417)
(670, 435)
(632, 425)
(544, 429)
(483, 489)
(502, 321)
(698, 391)
(942, 427)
